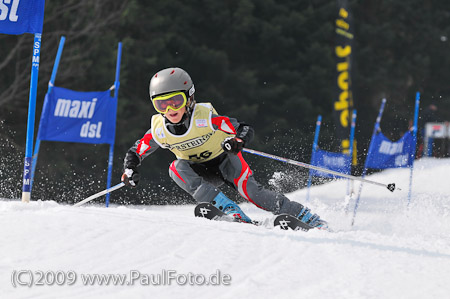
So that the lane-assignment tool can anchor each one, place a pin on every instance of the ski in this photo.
(209, 211)
(285, 222)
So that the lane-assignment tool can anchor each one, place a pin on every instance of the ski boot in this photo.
(229, 207)
(312, 220)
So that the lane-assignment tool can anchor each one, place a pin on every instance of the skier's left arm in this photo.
(241, 133)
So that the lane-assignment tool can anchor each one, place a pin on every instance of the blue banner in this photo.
(332, 161)
(73, 116)
(388, 154)
(21, 16)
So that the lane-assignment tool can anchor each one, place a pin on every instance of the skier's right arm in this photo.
(141, 149)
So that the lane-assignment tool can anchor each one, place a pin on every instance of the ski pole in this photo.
(390, 187)
(118, 186)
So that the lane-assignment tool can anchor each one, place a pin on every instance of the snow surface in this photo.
(392, 251)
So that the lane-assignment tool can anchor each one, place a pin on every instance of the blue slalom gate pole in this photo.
(51, 83)
(314, 149)
(49, 90)
(111, 146)
(413, 151)
(429, 144)
(26, 187)
(352, 138)
(375, 130)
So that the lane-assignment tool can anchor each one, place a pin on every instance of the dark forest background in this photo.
(270, 63)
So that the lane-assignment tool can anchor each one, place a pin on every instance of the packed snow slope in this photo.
(392, 251)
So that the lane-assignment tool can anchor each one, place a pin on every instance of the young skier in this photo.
(208, 150)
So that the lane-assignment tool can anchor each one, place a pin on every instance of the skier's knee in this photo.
(174, 170)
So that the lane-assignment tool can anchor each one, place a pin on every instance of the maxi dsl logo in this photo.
(80, 110)
(391, 148)
(9, 12)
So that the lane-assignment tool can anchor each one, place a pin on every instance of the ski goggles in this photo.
(174, 101)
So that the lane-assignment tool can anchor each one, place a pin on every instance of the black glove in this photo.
(130, 177)
(232, 145)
